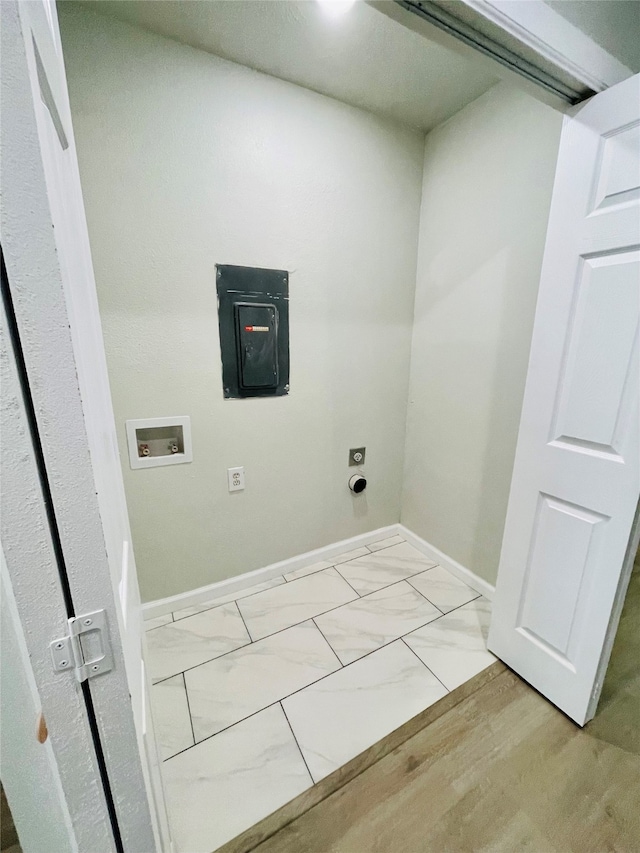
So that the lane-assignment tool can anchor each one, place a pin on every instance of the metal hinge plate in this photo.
(86, 649)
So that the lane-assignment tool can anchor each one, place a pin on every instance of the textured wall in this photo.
(188, 161)
(488, 176)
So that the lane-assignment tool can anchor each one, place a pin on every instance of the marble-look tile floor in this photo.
(260, 694)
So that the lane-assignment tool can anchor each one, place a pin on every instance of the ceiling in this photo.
(362, 58)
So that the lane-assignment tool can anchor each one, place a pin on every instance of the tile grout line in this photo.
(279, 631)
(346, 581)
(225, 729)
(352, 559)
(337, 607)
(186, 693)
(293, 692)
(417, 657)
(224, 654)
(155, 627)
(432, 603)
(213, 607)
(313, 781)
(311, 683)
(246, 627)
(327, 642)
(231, 600)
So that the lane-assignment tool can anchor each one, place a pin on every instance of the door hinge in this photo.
(86, 649)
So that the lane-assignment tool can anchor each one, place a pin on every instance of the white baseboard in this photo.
(466, 575)
(161, 606)
(186, 599)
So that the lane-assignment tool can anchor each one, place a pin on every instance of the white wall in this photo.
(488, 176)
(188, 161)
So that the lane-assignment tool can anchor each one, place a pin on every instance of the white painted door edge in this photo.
(461, 572)
(162, 606)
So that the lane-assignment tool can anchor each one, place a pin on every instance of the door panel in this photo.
(576, 478)
(63, 782)
(596, 375)
(59, 325)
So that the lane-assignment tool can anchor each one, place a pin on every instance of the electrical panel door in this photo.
(257, 336)
(253, 318)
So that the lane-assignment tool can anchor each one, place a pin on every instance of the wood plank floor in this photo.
(502, 771)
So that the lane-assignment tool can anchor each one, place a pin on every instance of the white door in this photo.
(56, 311)
(576, 478)
(55, 789)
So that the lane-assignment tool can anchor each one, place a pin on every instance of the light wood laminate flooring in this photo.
(504, 770)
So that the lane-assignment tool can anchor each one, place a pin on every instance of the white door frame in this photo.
(33, 574)
(46, 251)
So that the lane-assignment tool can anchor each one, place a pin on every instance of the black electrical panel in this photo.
(253, 317)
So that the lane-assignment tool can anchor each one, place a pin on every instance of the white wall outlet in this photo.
(236, 479)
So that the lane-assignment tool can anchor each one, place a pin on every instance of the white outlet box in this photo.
(235, 477)
(159, 441)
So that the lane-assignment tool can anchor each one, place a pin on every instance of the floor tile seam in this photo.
(275, 702)
(308, 575)
(373, 592)
(281, 698)
(417, 657)
(286, 581)
(298, 579)
(365, 594)
(316, 681)
(401, 636)
(312, 619)
(438, 618)
(248, 717)
(377, 551)
(359, 594)
(155, 627)
(193, 737)
(246, 645)
(280, 630)
(395, 639)
(413, 577)
(300, 689)
(327, 641)
(295, 624)
(225, 729)
(244, 622)
(423, 595)
(313, 781)
(324, 612)
(186, 696)
(231, 601)
(335, 565)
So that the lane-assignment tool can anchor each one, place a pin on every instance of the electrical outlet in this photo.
(356, 455)
(235, 477)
